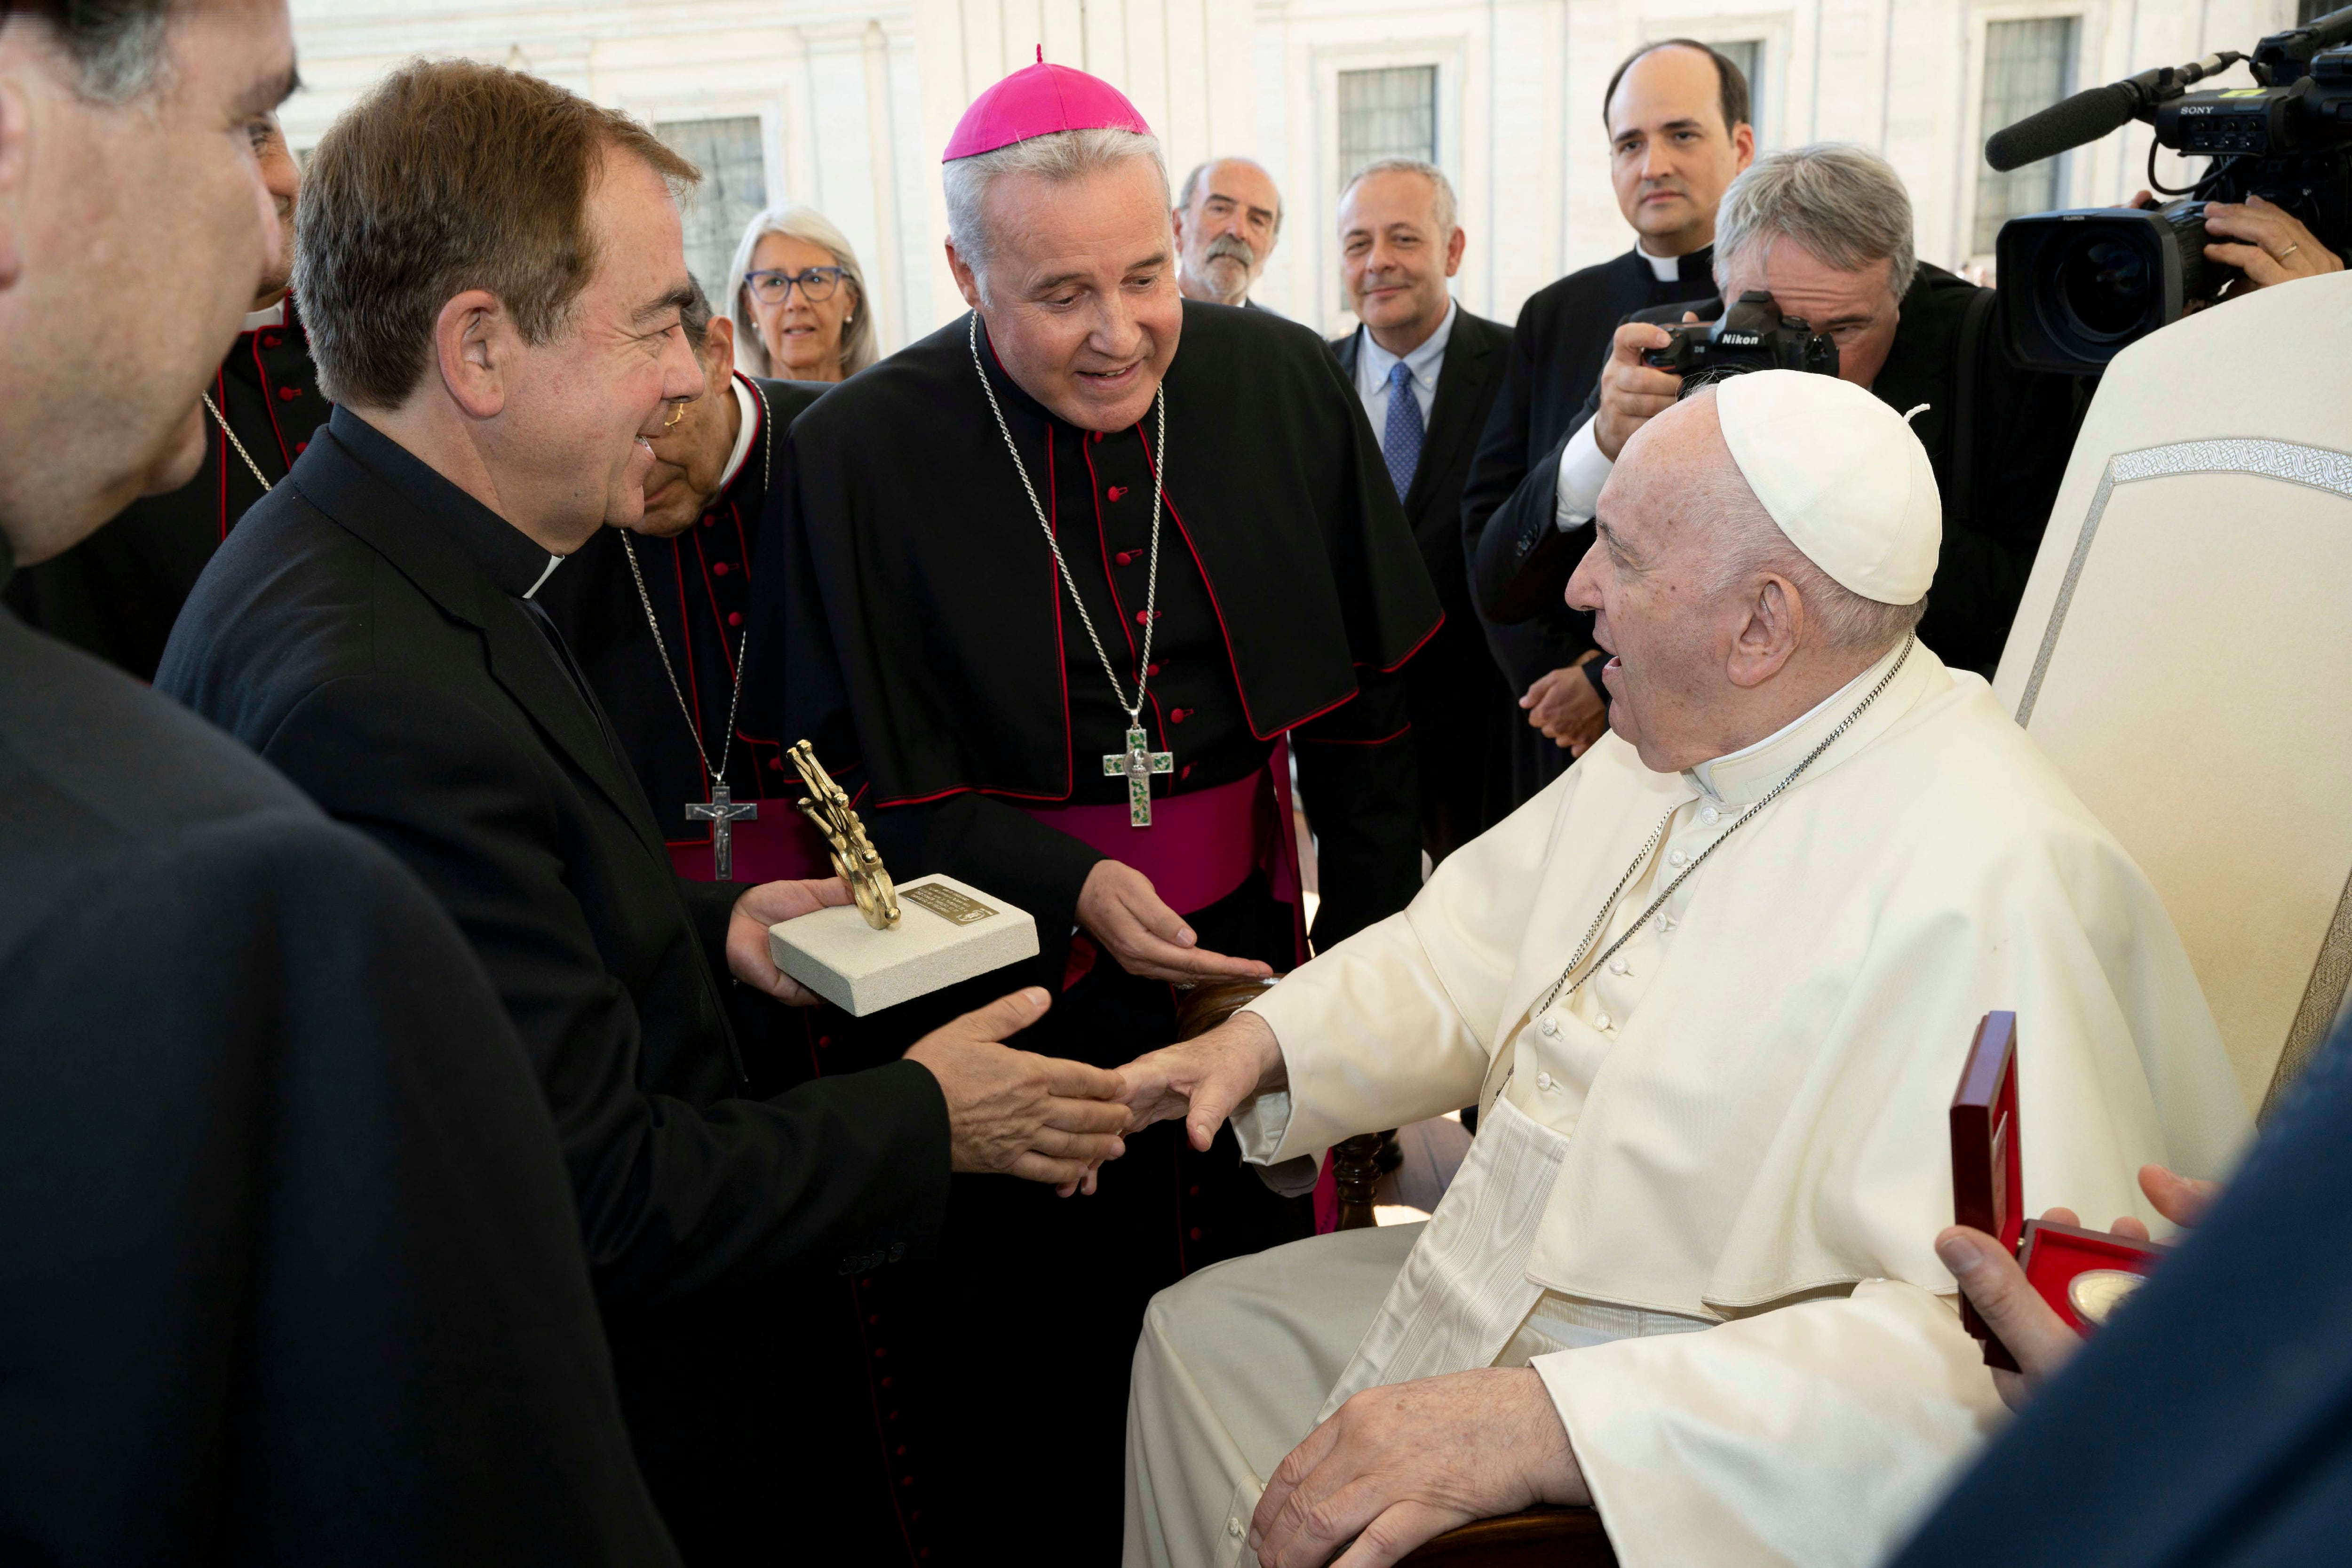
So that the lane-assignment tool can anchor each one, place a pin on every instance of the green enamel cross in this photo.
(1139, 762)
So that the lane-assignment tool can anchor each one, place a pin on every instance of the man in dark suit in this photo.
(495, 275)
(1678, 132)
(1428, 371)
(116, 593)
(294, 1273)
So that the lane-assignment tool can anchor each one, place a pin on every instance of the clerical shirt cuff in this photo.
(1582, 471)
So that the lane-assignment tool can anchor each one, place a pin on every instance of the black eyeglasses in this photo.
(773, 287)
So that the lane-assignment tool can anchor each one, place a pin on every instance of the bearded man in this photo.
(1034, 552)
(1712, 990)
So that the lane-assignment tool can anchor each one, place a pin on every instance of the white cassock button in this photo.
(1602, 1022)
(1708, 815)
(1551, 1027)
(1233, 1527)
(1676, 859)
(1543, 1081)
(1667, 923)
(1616, 966)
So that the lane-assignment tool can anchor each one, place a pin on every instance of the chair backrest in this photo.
(2184, 650)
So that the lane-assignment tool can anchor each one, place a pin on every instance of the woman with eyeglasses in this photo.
(801, 307)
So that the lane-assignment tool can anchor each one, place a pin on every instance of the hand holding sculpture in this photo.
(1403, 1463)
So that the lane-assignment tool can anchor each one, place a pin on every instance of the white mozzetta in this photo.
(837, 956)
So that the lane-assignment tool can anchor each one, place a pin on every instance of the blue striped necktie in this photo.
(1400, 443)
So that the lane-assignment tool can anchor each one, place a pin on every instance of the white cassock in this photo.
(1707, 1183)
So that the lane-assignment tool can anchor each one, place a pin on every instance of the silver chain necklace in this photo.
(214, 409)
(1138, 763)
(1659, 832)
(722, 811)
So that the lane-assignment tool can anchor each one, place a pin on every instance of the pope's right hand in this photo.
(2032, 1328)
(1128, 918)
(1634, 394)
(1018, 1113)
(1203, 1080)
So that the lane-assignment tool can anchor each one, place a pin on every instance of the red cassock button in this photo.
(1116, 491)
(719, 568)
(289, 393)
(272, 340)
(734, 618)
(301, 447)
(1196, 1232)
(1178, 715)
(1125, 557)
(1150, 669)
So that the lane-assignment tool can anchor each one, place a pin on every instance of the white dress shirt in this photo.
(1374, 362)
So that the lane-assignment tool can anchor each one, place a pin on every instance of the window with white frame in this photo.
(2028, 66)
(734, 186)
(1387, 113)
(1748, 54)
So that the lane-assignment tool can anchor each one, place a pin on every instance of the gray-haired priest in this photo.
(1712, 989)
(1059, 589)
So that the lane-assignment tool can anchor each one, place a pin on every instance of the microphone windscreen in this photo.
(2069, 122)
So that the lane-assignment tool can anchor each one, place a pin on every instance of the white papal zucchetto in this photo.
(1842, 475)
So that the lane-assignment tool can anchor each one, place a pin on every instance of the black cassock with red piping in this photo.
(909, 620)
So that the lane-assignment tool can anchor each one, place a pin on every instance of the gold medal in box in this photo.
(895, 944)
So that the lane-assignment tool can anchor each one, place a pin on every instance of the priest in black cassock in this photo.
(117, 593)
(1058, 598)
(294, 1273)
(1678, 132)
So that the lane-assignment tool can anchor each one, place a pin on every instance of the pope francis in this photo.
(1711, 991)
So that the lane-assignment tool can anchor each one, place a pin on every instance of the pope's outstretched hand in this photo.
(1203, 1080)
(1018, 1113)
(2035, 1334)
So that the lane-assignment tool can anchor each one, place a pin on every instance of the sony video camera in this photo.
(2077, 286)
(1751, 334)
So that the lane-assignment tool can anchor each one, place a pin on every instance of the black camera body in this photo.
(1751, 334)
(2079, 287)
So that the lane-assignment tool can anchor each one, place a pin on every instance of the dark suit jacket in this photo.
(294, 1275)
(364, 629)
(1462, 711)
(2212, 1421)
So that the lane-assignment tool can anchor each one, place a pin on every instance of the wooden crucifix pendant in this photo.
(723, 811)
(1137, 763)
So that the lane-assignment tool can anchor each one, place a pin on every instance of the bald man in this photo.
(1228, 216)
(1711, 990)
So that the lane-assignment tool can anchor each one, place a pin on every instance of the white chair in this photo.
(2184, 650)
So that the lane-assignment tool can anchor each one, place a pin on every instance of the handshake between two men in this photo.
(1014, 1113)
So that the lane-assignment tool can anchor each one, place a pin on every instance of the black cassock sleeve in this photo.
(294, 1273)
(1360, 782)
(675, 1197)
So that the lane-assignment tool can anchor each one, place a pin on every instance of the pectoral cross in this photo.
(723, 811)
(1139, 762)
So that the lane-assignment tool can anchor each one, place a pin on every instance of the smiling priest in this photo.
(1712, 990)
(1056, 593)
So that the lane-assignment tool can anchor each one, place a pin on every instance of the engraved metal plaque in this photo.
(947, 903)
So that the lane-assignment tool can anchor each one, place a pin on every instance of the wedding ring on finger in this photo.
(2290, 250)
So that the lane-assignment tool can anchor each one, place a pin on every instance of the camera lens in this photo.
(2105, 286)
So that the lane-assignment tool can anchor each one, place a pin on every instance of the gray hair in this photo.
(1191, 187)
(1436, 177)
(1060, 156)
(801, 222)
(116, 45)
(1844, 204)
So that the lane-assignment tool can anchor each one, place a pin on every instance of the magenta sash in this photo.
(1200, 846)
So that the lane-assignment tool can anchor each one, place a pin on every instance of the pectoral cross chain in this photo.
(1137, 763)
(722, 812)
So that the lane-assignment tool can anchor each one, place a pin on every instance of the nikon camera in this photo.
(1752, 335)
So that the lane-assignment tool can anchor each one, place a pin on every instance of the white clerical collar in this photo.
(1665, 269)
(1421, 364)
(746, 428)
(273, 316)
(552, 563)
(1739, 777)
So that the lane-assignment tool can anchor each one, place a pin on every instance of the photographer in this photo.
(1827, 230)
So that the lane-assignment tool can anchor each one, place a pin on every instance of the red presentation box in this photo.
(2084, 1274)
